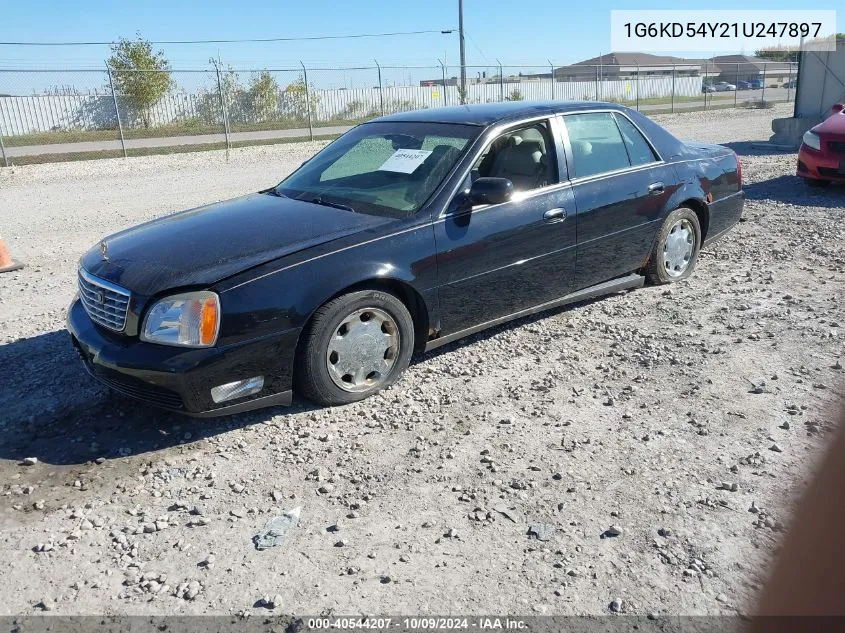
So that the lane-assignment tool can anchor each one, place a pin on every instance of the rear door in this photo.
(621, 187)
(495, 260)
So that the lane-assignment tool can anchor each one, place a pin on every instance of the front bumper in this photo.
(820, 165)
(180, 379)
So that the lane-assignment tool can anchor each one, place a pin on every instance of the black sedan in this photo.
(407, 232)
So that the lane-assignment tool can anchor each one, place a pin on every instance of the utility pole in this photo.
(463, 51)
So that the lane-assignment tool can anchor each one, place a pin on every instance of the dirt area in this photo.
(658, 439)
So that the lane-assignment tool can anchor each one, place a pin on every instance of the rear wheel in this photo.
(676, 249)
(354, 346)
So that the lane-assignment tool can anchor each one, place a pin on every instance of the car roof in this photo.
(489, 113)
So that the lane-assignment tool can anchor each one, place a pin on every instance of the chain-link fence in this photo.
(112, 113)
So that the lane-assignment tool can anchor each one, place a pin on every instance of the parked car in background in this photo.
(790, 84)
(756, 84)
(724, 86)
(821, 157)
(743, 85)
(406, 233)
(707, 88)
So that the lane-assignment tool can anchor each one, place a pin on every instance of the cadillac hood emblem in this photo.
(104, 251)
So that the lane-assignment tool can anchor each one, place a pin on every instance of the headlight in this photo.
(811, 139)
(191, 319)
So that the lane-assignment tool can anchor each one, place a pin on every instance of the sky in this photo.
(525, 34)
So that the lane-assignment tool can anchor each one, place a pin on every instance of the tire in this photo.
(351, 370)
(812, 182)
(658, 270)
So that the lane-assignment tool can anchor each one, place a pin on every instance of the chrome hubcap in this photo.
(678, 248)
(363, 350)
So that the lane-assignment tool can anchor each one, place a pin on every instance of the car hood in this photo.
(834, 124)
(204, 245)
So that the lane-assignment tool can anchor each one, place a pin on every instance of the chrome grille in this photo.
(104, 302)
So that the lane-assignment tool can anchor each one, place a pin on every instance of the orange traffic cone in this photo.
(7, 264)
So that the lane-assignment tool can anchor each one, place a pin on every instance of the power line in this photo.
(480, 52)
(259, 40)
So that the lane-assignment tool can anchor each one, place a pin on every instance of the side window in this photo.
(597, 145)
(525, 156)
(639, 150)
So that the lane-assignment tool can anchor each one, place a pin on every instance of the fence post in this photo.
(800, 61)
(597, 83)
(116, 111)
(501, 82)
(552, 67)
(673, 88)
(789, 84)
(763, 95)
(307, 101)
(443, 76)
(223, 110)
(380, 92)
(736, 83)
(3, 150)
(638, 87)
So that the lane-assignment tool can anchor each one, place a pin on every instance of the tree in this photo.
(296, 98)
(140, 75)
(234, 95)
(788, 53)
(263, 96)
(778, 54)
(462, 94)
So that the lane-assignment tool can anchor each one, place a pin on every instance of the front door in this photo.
(495, 260)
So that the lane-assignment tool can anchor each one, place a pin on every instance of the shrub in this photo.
(759, 105)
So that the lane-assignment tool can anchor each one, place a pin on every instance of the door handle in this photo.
(555, 215)
(656, 187)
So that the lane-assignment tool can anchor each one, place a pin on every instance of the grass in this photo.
(665, 101)
(163, 131)
(155, 151)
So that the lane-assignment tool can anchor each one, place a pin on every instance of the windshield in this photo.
(387, 169)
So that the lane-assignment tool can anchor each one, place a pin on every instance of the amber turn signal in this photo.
(208, 321)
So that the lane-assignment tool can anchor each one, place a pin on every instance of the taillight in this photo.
(738, 171)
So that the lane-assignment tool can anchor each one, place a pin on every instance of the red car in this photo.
(821, 158)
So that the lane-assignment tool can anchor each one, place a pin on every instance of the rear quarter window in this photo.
(639, 151)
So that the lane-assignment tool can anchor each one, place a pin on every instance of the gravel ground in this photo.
(657, 439)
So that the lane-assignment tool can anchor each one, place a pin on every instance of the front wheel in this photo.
(354, 346)
(676, 249)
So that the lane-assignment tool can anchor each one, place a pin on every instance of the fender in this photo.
(282, 295)
(687, 191)
(691, 188)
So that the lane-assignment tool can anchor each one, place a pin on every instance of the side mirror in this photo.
(490, 191)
